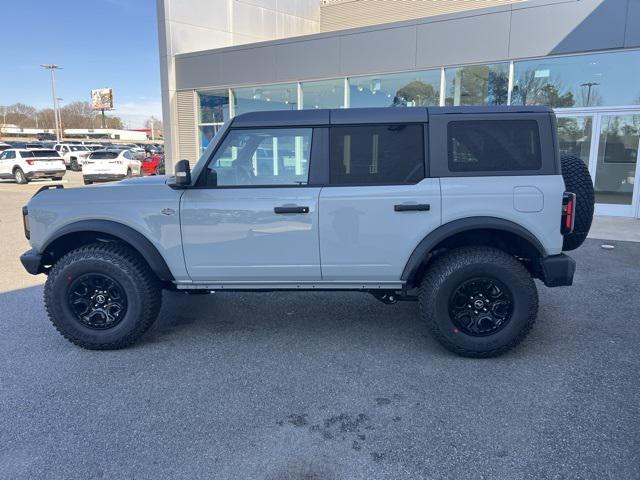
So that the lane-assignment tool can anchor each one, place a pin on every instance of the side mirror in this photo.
(182, 174)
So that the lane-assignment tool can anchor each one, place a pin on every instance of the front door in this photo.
(253, 218)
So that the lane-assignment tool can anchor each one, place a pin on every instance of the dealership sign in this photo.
(102, 99)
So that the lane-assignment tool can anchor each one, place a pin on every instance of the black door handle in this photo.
(412, 207)
(294, 209)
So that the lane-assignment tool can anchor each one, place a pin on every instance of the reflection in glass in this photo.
(214, 111)
(477, 85)
(578, 81)
(324, 94)
(617, 157)
(411, 89)
(574, 136)
(214, 106)
(266, 97)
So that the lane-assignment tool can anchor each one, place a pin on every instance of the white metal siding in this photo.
(186, 126)
(343, 14)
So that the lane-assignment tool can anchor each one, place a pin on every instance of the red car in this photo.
(151, 165)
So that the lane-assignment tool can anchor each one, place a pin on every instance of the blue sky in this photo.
(100, 43)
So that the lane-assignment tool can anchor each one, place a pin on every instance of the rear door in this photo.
(253, 218)
(379, 204)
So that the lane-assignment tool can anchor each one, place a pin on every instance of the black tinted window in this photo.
(44, 153)
(493, 145)
(381, 154)
(103, 155)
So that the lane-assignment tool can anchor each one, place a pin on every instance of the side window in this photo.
(25, 154)
(493, 145)
(127, 155)
(57, 148)
(10, 155)
(3, 155)
(380, 154)
(261, 157)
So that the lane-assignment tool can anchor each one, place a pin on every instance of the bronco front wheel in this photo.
(102, 296)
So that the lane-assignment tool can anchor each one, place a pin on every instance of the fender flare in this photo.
(461, 225)
(127, 234)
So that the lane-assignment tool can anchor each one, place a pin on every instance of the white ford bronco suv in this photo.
(460, 208)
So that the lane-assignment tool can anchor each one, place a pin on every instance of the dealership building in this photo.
(221, 58)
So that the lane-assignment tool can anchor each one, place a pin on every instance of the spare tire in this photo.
(578, 180)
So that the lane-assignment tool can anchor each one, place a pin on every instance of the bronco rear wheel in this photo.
(478, 301)
(578, 180)
(102, 296)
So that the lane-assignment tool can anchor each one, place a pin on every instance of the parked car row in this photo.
(30, 161)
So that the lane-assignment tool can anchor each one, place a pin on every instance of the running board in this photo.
(275, 285)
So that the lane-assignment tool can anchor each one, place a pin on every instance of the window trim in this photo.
(425, 154)
(199, 182)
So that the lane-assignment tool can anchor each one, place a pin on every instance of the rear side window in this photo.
(25, 154)
(377, 154)
(493, 145)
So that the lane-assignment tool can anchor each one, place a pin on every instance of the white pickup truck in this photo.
(73, 154)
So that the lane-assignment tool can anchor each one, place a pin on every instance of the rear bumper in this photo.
(45, 174)
(557, 270)
(32, 262)
(103, 177)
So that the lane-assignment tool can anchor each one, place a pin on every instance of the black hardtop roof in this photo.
(340, 116)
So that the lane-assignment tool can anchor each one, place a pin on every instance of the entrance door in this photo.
(616, 172)
(608, 142)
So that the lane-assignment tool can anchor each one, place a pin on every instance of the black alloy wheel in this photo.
(481, 306)
(97, 301)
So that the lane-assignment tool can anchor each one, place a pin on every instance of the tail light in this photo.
(568, 212)
(29, 161)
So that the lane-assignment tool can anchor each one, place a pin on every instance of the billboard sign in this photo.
(102, 99)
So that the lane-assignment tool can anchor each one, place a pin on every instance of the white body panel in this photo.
(363, 238)
(233, 234)
(499, 196)
(33, 167)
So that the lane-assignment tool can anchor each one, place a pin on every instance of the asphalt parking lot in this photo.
(322, 386)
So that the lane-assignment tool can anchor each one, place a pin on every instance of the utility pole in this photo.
(60, 118)
(52, 67)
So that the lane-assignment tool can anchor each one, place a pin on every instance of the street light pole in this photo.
(52, 67)
(589, 86)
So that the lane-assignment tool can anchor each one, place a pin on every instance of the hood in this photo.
(141, 181)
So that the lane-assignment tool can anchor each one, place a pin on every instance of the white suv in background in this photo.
(110, 164)
(73, 154)
(24, 165)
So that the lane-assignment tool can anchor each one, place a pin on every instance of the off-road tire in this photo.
(143, 291)
(20, 177)
(578, 180)
(455, 267)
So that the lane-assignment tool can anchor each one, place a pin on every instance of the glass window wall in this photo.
(213, 112)
(411, 89)
(477, 85)
(596, 80)
(266, 97)
(324, 94)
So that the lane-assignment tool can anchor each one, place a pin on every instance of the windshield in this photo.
(44, 153)
(103, 155)
(77, 148)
